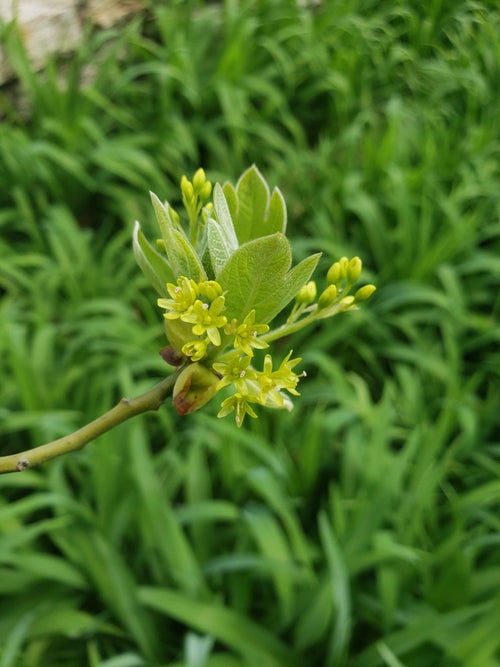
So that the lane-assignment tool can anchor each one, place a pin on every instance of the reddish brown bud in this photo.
(172, 356)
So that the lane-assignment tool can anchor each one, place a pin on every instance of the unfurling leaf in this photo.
(255, 213)
(182, 257)
(155, 267)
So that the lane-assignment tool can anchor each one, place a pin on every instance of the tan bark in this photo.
(56, 27)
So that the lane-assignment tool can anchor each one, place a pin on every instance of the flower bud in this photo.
(172, 356)
(307, 294)
(364, 293)
(206, 190)
(194, 387)
(187, 188)
(344, 263)
(354, 269)
(196, 349)
(210, 289)
(199, 179)
(334, 274)
(327, 297)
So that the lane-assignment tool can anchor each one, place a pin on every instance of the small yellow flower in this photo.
(283, 378)
(237, 371)
(239, 403)
(246, 334)
(196, 349)
(184, 295)
(207, 319)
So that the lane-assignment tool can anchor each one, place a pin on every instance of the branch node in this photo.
(22, 464)
(124, 400)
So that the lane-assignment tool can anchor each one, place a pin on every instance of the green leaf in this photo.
(272, 543)
(222, 240)
(258, 276)
(181, 255)
(69, 622)
(113, 581)
(257, 214)
(231, 199)
(253, 641)
(316, 618)
(185, 262)
(217, 246)
(338, 583)
(156, 268)
(276, 217)
(224, 219)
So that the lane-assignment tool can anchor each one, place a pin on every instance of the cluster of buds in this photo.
(335, 298)
(226, 282)
(195, 195)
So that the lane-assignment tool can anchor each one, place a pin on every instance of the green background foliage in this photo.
(363, 528)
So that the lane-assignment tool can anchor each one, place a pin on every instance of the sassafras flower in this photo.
(237, 371)
(283, 378)
(246, 335)
(207, 319)
(238, 403)
(196, 349)
(184, 295)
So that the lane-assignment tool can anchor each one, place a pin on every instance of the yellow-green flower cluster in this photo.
(264, 387)
(202, 306)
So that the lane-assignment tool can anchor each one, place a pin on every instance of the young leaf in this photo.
(231, 199)
(276, 217)
(224, 220)
(256, 216)
(181, 255)
(185, 261)
(160, 211)
(217, 246)
(155, 267)
(258, 276)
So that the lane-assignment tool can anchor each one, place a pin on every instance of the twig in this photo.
(125, 409)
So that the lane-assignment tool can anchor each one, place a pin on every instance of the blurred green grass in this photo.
(360, 530)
